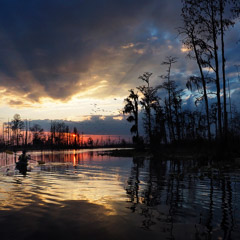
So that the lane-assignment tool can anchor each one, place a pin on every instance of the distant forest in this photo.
(20, 133)
(205, 24)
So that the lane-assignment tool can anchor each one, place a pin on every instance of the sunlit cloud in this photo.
(118, 118)
(139, 51)
(208, 69)
(58, 70)
(184, 49)
(129, 45)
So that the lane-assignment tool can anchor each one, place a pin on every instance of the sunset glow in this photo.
(92, 74)
(119, 119)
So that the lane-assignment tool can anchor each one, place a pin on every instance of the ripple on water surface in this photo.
(83, 194)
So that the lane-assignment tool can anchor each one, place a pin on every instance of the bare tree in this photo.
(194, 44)
(148, 101)
(169, 85)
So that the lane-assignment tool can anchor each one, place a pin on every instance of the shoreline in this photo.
(59, 148)
(203, 159)
(203, 153)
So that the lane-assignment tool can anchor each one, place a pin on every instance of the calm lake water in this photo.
(85, 195)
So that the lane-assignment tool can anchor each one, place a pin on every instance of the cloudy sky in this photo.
(75, 59)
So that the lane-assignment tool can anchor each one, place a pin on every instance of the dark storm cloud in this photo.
(95, 125)
(49, 48)
(58, 48)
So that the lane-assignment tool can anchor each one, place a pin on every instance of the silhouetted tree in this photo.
(17, 127)
(177, 104)
(193, 42)
(67, 133)
(26, 131)
(90, 142)
(131, 108)
(225, 22)
(38, 133)
(75, 131)
(168, 85)
(204, 14)
(53, 132)
(197, 82)
(60, 130)
(213, 116)
(159, 129)
(148, 102)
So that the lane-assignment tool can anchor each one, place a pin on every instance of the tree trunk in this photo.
(223, 72)
(214, 38)
(204, 88)
(170, 104)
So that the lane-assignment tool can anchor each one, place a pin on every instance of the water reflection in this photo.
(135, 197)
(66, 175)
(181, 197)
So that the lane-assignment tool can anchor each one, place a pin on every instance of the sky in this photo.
(76, 60)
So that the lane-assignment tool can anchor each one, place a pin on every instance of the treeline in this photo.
(205, 23)
(19, 133)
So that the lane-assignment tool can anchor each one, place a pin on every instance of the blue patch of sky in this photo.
(153, 31)
(166, 35)
(186, 94)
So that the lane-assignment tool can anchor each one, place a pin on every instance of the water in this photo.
(83, 194)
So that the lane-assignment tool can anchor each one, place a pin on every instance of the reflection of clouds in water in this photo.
(175, 198)
(73, 220)
(70, 175)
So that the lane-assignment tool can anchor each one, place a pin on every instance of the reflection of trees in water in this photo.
(175, 192)
(67, 158)
(75, 157)
(145, 196)
(210, 212)
(133, 183)
(220, 207)
(227, 222)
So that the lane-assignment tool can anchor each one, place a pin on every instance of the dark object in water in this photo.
(22, 167)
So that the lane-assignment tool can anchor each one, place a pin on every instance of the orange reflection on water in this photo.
(65, 156)
(69, 156)
(66, 175)
(74, 158)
